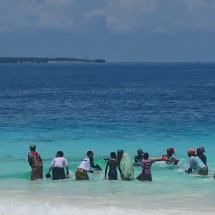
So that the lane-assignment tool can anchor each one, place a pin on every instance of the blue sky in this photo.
(115, 30)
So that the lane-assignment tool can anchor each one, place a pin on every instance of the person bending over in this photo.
(196, 164)
(86, 166)
(170, 157)
(57, 167)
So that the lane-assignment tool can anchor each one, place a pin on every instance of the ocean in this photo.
(105, 107)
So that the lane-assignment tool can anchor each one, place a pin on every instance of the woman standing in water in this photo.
(201, 155)
(36, 163)
(196, 164)
(146, 168)
(57, 167)
(170, 157)
(85, 167)
(125, 165)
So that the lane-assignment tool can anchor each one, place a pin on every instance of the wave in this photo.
(35, 209)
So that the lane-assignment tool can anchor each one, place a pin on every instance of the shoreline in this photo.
(70, 203)
(47, 60)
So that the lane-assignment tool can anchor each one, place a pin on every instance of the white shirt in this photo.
(59, 162)
(85, 164)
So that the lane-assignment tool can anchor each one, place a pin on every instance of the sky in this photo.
(114, 30)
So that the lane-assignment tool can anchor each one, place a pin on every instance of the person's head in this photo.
(113, 155)
(191, 152)
(170, 151)
(120, 152)
(200, 150)
(59, 154)
(32, 147)
(139, 151)
(90, 153)
(146, 155)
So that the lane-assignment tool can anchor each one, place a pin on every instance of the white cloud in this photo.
(49, 14)
(119, 16)
(94, 13)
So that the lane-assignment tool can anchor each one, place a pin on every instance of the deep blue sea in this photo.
(105, 107)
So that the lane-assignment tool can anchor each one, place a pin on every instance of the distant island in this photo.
(47, 60)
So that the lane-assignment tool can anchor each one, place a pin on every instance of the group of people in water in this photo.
(119, 162)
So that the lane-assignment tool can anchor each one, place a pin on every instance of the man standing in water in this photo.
(36, 163)
(113, 164)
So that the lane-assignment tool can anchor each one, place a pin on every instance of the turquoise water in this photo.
(104, 107)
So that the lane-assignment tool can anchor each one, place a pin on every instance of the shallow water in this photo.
(104, 107)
